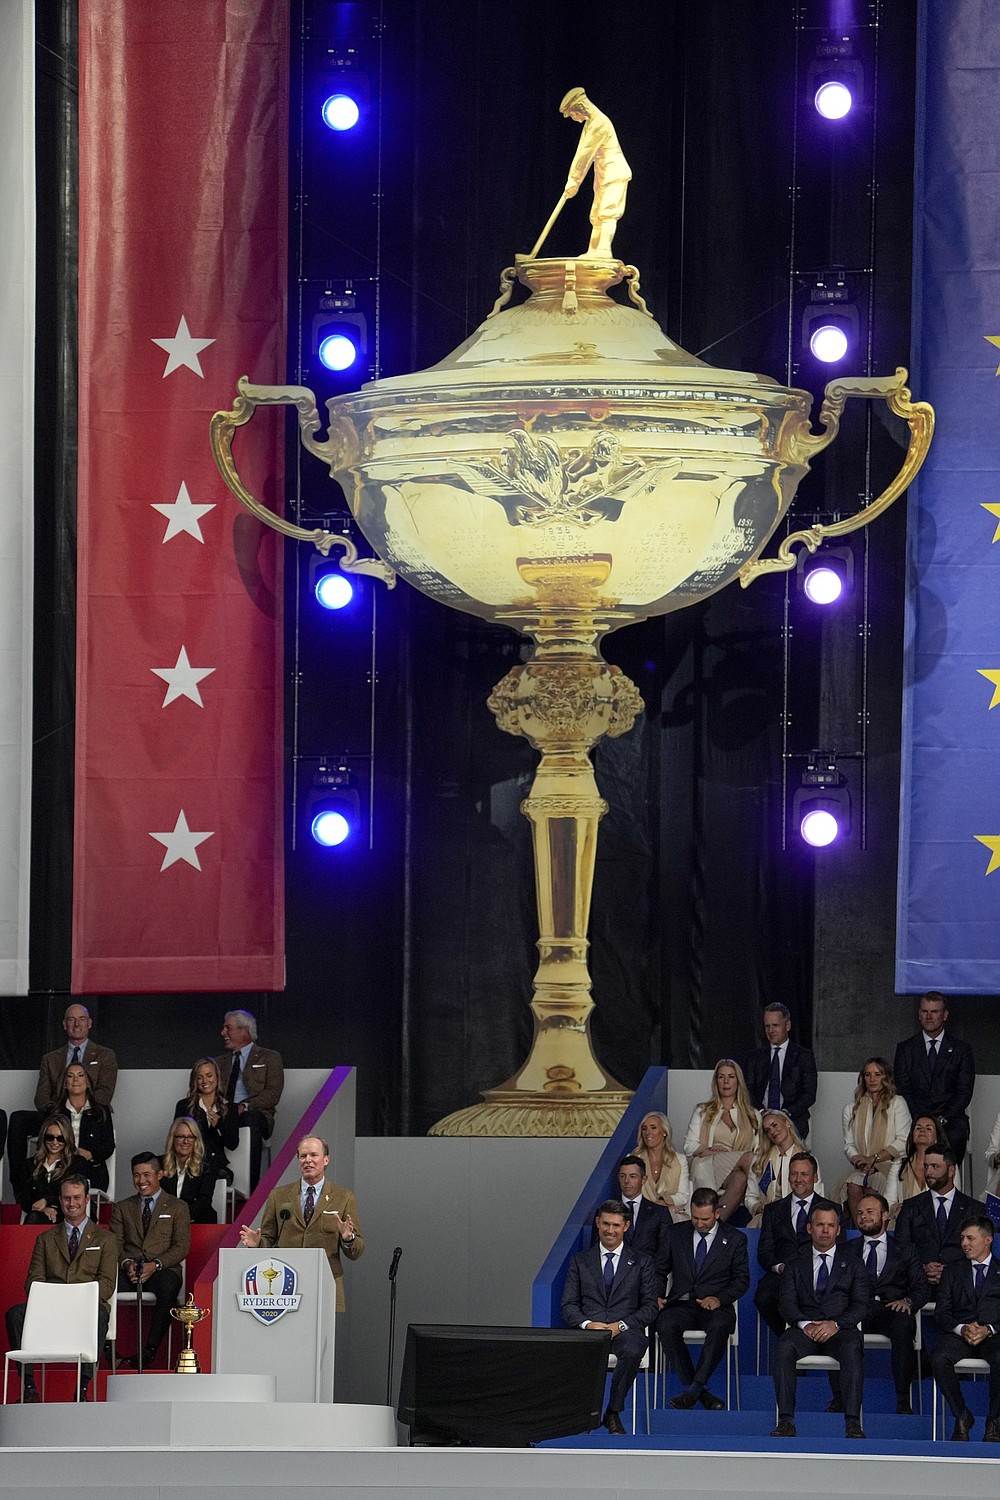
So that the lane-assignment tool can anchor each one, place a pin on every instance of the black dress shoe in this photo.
(992, 1433)
(711, 1402)
(684, 1401)
(836, 1403)
(84, 1387)
(30, 1394)
(903, 1408)
(613, 1422)
(853, 1428)
(963, 1426)
(785, 1428)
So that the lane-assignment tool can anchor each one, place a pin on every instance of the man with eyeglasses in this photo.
(99, 1064)
(252, 1079)
(71, 1253)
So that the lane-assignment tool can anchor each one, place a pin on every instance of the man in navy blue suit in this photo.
(931, 1223)
(783, 1233)
(782, 1075)
(825, 1293)
(936, 1073)
(612, 1287)
(711, 1272)
(649, 1223)
(968, 1314)
(899, 1289)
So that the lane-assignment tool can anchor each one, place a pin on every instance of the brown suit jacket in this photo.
(321, 1233)
(264, 1078)
(168, 1238)
(96, 1259)
(102, 1070)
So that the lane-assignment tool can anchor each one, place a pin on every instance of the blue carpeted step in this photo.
(748, 1443)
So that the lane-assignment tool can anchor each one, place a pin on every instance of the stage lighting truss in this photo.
(333, 806)
(821, 807)
(831, 324)
(835, 79)
(826, 576)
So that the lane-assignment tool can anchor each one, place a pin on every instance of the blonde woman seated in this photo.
(768, 1180)
(185, 1170)
(722, 1138)
(667, 1180)
(908, 1176)
(876, 1126)
(993, 1158)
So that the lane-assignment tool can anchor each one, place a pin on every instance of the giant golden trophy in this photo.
(566, 471)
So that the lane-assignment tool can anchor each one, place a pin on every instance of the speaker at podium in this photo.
(275, 1311)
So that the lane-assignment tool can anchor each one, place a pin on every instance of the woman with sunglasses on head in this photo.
(184, 1173)
(55, 1158)
(93, 1131)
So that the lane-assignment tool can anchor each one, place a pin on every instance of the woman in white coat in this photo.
(722, 1137)
(876, 1126)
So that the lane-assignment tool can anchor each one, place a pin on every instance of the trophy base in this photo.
(512, 1114)
(188, 1364)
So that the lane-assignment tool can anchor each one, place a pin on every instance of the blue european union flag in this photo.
(948, 926)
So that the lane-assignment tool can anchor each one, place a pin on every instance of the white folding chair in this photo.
(111, 1337)
(104, 1195)
(239, 1165)
(220, 1198)
(973, 1367)
(697, 1336)
(60, 1327)
(643, 1370)
(882, 1341)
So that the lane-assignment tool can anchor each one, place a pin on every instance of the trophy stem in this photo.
(563, 701)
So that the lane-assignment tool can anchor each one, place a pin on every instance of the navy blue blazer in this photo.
(725, 1272)
(847, 1298)
(901, 1277)
(957, 1301)
(632, 1298)
(779, 1240)
(648, 1236)
(798, 1081)
(916, 1227)
(948, 1093)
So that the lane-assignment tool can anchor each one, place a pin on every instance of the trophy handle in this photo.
(221, 429)
(919, 417)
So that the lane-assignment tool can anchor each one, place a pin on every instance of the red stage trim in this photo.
(178, 880)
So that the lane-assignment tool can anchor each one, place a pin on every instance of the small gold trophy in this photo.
(188, 1316)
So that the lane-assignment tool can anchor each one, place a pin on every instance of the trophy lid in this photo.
(571, 332)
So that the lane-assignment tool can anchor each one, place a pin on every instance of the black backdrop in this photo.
(414, 962)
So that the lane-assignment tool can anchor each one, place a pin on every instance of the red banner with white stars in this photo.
(178, 879)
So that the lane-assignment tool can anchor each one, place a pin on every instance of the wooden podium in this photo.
(275, 1314)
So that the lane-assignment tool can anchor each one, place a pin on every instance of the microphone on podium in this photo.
(283, 1218)
(394, 1266)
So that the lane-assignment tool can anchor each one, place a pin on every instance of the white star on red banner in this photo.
(181, 843)
(182, 679)
(183, 350)
(183, 516)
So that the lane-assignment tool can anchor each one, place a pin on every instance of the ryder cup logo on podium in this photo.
(269, 1290)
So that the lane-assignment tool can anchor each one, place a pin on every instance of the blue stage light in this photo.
(833, 99)
(334, 591)
(823, 585)
(829, 342)
(330, 828)
(340, 112)
(338, 352)
(819, 828)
